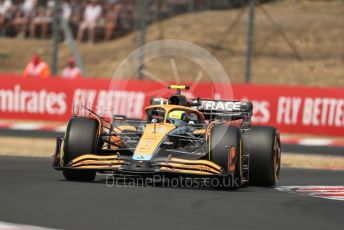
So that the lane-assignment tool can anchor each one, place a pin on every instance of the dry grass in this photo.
(315, 28)
(23, 146)
(312, 161)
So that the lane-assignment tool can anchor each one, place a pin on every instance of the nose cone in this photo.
(150, 141)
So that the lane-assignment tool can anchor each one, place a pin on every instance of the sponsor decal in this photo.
(109, 102)
(220, 105)
(318, 111)
(308, 110)
(261, 111)
(142, 157)
(16, 100)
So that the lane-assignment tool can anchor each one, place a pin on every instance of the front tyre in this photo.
(76, 175)
(81, 138)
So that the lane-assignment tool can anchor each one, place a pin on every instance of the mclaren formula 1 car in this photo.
(196, 138)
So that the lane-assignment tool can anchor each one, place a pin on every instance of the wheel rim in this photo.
(231, 160)
(277, 157)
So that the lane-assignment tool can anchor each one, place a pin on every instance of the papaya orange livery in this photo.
(180, 137)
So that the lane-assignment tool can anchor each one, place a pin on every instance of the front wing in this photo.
(124, 164)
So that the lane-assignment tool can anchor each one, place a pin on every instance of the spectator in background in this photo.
(42, 19)
(77, 9)
(29, 7)
(20, 22)
(91, 16)
(111, 19)
(66, 10)
(71, 71)
(77, 13)
(5, 15)
(23, 16)
(37, 68)
(5, 6)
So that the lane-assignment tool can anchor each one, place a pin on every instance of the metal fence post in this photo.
(55, 38)
(250, 34)
(191, 6)
(72, 46)
(142, 9)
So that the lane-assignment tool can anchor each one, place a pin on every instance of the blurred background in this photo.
(285, 56)
(294, 42)
(258, 42)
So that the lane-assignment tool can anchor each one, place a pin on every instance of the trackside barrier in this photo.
(310, 110)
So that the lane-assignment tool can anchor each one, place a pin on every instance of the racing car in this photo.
(180, 137)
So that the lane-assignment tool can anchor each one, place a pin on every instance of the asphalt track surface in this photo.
(32, 193)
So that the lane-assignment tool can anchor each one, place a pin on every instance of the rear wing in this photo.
(215, 109)
(226, 110)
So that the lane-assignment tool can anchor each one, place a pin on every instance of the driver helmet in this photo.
(177, 117)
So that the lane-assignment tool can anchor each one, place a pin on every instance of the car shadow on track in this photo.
(168, 183)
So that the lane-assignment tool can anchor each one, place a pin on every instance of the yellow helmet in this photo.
(177, 114)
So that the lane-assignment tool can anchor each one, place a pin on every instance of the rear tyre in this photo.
(265, 156)
(81, 138)
(226, 151)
